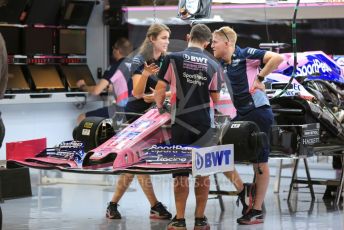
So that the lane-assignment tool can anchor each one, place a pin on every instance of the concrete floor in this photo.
(82, 206)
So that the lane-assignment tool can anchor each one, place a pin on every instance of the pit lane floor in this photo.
(78, 206)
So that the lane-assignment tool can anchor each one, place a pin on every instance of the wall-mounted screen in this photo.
(44, 12)
(45, 77)
(16, 79)
(39, 41)
(72, 41)
(12, 38)
(77, 12)
(74, 73)
(10, 10)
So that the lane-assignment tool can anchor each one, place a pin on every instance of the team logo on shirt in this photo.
(128, 65)
(196, 79)
(235, 62)
(191, 58)
(186, 57)
(251, 51)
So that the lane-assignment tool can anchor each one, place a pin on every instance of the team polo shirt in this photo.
(119, 81)
(241, 73)
(192, 76)
(138, 105)
(110, 71)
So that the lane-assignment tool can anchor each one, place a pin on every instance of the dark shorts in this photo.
(184, 136)
(264, 118)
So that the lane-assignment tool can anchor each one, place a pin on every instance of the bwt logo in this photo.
(212, 159)
(195, 59)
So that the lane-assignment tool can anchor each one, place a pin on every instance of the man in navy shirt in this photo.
(244, 80)
(194, 79)
(116, 76)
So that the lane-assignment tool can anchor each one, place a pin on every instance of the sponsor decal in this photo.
(192, 58)
(318, 66)
(196, 79)
(162, 158)
(312, 132)
(235, 62)
(85, 132)
(142, 124)
(69, 144)
(310, 141)
(235, 126)
(69, 150)
(210, 160)
(195, 66)
(169, 147)
(314, 67)
(132, 135)
(167, 154)
(199, 161)
(88, 125)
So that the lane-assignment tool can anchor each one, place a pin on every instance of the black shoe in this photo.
(112, 211)
(201, 224)
(159, 211)
(246, 196)
(329, 192)
(176, 224)
(251, 217)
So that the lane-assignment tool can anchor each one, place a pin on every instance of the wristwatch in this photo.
(260, 78)
(161, 110)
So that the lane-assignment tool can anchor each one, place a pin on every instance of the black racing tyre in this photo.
(247, 140)
(93, 131)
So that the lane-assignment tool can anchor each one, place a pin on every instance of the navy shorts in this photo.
(184, 136)
(264, 118)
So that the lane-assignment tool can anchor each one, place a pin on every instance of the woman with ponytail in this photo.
(144, 68)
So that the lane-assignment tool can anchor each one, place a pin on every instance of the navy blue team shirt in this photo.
(240, 72)
(192, 75)
(110, 71)
(136, 105)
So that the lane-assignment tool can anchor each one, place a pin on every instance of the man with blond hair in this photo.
(245, 79)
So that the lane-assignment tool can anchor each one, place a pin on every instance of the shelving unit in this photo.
(63, 97)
